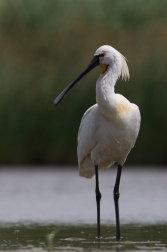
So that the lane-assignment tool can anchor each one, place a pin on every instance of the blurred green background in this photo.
(44, 45)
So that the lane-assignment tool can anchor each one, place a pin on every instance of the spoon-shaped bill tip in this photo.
(56, 101)
(61, 95)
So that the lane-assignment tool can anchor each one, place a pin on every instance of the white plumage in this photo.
(108, 129)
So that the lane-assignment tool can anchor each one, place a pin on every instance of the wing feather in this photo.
(87, 133)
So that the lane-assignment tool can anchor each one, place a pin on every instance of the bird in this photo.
(108, 129)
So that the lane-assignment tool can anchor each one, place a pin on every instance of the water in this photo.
(82, 238)
(47, 209)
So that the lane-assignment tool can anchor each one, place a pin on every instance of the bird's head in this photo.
(106, 57)
(110, 57)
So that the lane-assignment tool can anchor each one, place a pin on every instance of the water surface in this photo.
(61, 196)
(82, 238)
(55, 209)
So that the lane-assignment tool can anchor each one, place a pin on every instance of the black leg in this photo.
(116, 197)
(98, 198)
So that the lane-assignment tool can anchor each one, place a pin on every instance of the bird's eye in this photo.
(101, 55)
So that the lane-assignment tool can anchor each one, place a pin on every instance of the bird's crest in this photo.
(125, 70)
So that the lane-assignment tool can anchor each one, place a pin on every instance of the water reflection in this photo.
(82, 238)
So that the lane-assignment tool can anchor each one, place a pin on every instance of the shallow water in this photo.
(55, 209)
(83, 238)
(61, 196)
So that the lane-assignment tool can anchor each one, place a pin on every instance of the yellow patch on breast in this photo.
(123, 107)
(103, 67)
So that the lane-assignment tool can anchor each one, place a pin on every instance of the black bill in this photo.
(93, 63)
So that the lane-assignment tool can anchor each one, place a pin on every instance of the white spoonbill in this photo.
(108, 129)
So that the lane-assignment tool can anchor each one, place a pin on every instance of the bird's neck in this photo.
(105, 91)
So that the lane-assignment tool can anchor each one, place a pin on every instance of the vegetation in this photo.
(45, 44)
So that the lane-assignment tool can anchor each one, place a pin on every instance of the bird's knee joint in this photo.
(98, 195)
(116, 195)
